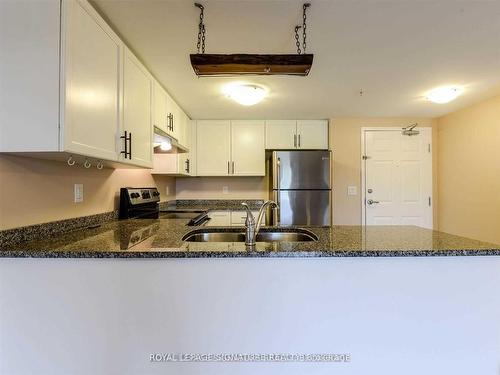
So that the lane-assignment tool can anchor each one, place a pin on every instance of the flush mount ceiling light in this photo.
(444, 94)
(206, 65)
(244, 93)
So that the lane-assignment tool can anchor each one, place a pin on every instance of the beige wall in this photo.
(345, 141)
(469, 171)
(211, 188)
(45, 190)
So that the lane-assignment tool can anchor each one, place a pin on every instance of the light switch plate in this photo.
(225, 190)
(352, 190)
(78, 193)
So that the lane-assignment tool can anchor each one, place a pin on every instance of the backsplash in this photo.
(34, 191)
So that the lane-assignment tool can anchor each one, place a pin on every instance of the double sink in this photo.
(236, 235)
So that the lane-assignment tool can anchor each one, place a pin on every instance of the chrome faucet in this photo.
(251, 227)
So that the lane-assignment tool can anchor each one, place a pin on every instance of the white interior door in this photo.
(398, 178)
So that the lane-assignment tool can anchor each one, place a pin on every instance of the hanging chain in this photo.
(297, 43)
(304, 25)
(201, 30)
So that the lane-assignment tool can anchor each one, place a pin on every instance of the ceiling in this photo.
(393, 50)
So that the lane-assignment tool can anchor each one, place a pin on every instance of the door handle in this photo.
(299, 140)
(371, 201)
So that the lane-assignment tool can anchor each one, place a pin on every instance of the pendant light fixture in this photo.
(207, 65)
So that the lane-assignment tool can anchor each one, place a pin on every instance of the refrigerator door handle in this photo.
(278, 172)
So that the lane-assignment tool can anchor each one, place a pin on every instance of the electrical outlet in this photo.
(225, 190)
(352, 190)
(78, 193)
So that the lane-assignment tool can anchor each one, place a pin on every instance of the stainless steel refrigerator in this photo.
(300, 183)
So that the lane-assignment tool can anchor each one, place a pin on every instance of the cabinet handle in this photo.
(228, 168)
(187, 166)
(233, 166)
(127, 137)
(299, 140)
(295, 140)
(130, 146)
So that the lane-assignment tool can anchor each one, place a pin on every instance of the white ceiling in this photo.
(394, 50)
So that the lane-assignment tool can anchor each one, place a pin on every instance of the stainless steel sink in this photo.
(235, 235)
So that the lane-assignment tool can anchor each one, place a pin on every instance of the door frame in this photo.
(365, 129)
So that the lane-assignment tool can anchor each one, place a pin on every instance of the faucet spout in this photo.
(251, 227)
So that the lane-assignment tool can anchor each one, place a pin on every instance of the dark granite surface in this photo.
(162, 238)
(213, 204)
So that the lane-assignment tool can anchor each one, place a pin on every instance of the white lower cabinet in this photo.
(219, 219)
(238, 218)
(229, 218)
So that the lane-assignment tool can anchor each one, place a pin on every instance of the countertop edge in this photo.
(84, 254)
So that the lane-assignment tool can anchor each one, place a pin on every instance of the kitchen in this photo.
(111, 143)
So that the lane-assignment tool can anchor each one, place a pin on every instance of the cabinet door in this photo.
(248, 148)
(183, 130)
(137, 110)
(312, 134)
(281, 134)
(213, 147)
(183, 163)
(91, 96)
(173, 112)
(219, 219)
(160, 114)
(238, 218)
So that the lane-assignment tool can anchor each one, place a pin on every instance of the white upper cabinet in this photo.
(213, 148)
(91, 62)
(29, 109)
(160, 114)
(281, 134)
(137, 103)
(247, 148)
(301, 134)
(86, 89)
(230, 148)
(312, 134)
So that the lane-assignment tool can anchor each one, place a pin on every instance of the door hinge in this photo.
(429, 201)
(365, 157)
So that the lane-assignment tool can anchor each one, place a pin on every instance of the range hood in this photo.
(163, 143)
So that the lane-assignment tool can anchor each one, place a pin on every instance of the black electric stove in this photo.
(139, 203)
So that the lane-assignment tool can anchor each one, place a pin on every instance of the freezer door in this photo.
(304, 207)
(301, 170)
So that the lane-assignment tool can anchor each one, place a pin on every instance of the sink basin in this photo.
(236, 235)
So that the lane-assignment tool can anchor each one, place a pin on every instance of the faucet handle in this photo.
(250, 219)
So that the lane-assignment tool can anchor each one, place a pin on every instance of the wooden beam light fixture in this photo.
(210, 65)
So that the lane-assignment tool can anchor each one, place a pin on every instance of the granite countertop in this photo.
(212, 204)
(162, 238)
